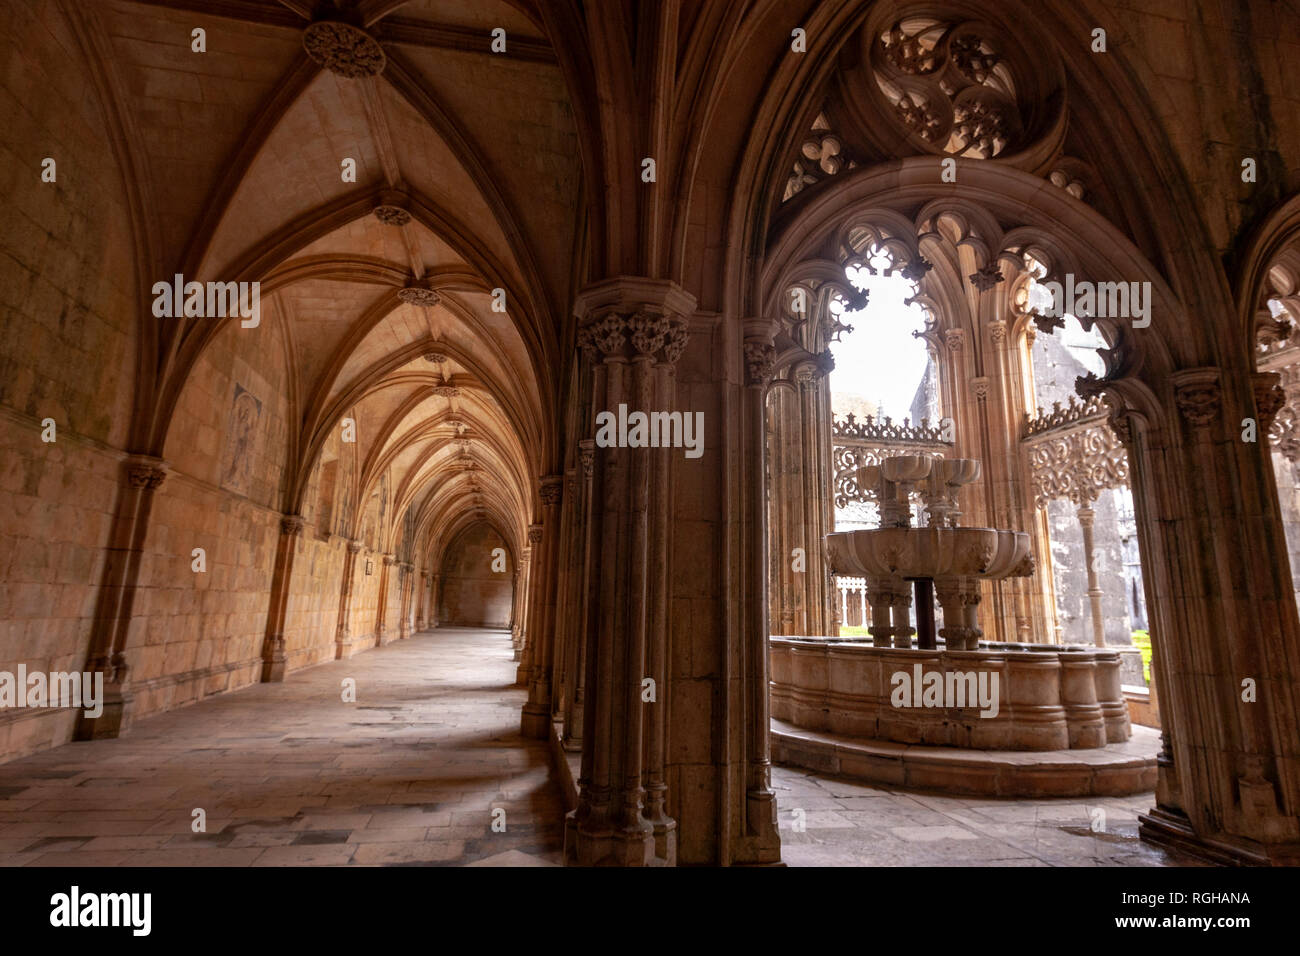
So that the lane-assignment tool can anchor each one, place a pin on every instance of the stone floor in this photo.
(410, 774)
(289, 774)
(845, 823)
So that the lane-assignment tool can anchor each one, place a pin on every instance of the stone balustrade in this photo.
(1048, 696)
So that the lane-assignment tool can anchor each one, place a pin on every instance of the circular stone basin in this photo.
(930, 552)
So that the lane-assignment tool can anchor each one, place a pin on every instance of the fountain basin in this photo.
(930, 552)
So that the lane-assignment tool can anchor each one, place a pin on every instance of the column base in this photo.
(761, 844)
(113, 721)
(1172, 830)
(522, 673)
(606, 846)
(535, 721)
(273, 671)
(346, 648)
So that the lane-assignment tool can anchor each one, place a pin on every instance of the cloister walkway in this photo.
(291, 774)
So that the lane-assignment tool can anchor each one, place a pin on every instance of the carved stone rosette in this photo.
(344, 49)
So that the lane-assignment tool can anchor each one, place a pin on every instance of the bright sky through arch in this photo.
(880, 361)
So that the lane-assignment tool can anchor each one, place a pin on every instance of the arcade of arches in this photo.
(816, 238)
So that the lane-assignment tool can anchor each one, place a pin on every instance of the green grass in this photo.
(1142, 641)
(852, 631)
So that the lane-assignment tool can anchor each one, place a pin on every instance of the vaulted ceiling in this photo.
(425, 296)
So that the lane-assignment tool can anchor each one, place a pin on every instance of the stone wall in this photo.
(67, 352)
(472, 593)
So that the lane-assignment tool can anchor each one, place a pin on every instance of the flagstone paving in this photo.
(290, 774)
(410, 774)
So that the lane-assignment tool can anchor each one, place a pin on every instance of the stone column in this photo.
(142, 476)
(519, 634)
(562, 644)
(1223, 619)
(816, 473)
(1086, 518)
(574, 719)
(527, 645)
(422, 602)
(627, 326)
(273, 644)
(434, 580)
(407, 578)
(343, 643)
(381, 611)
(536, 718)
(760, 800)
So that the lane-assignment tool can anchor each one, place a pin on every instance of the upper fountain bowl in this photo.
(931, 552)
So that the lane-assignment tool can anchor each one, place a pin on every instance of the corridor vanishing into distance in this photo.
(649, 433)
(290, 775)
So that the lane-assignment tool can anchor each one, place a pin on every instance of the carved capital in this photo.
(534, 535)
(145, 473)
(549, 490)
(291, 525)
(954, 339)
(631, 317)
(998, 331)
(1198, 396)
(354, 547)
(389, 560)
(980, 387)
(760, 357)
(1270, 396)
(587, 456)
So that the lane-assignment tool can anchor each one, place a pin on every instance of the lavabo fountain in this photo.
(941, 559)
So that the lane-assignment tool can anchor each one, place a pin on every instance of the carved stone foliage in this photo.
(949, 84)
(633, 334)
(391, 215)
(821, 155)
(1063, 415)
(760, 357)
(145, 473)
(1076, 460)
(883, 431)
(1284, 427)
(344, 49)
(419, 295)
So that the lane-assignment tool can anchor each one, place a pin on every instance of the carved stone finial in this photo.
(344, 49)
(987, 277)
